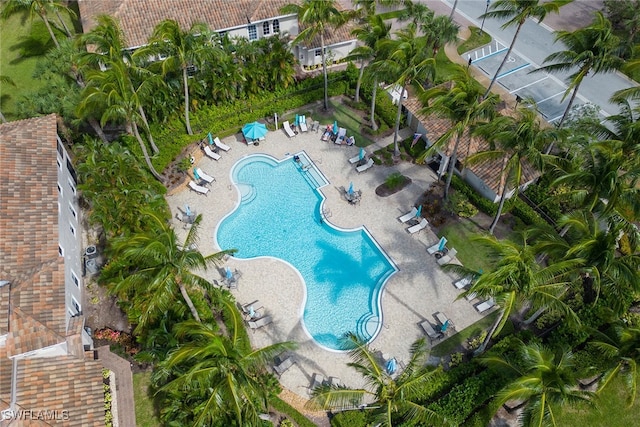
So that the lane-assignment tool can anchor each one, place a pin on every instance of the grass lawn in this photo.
(611, 410)
(145, 412)
(471, 254)
(452, 343)
(476, 39)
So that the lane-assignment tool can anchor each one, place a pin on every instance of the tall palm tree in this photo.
(516, 13)
(463, 106)
(157, 268)
(181, 50)
(42, 8)
(592, 49)
(370, 34)
(519, 281)
(317, 18)
(408, 60)
(621, 344)
(395, 399)
(518, 143)
(214, 379)
(440, 31)
(545, 379)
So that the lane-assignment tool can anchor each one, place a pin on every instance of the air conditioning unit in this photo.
(92, 266)
(91, 252)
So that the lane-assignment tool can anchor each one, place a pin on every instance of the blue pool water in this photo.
(280, 216)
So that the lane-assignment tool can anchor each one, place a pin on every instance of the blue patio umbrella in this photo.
(254, 130)
(210, 138)
(228, 273)
(297, 120)
(444, 327)
(392, 365)
(361, 155)
(187, 210)
(350, 188)
(335, 126)
(196, 175)
(419, 211)
(442, 243)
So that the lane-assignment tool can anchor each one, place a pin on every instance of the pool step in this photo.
(247, 192)
(367, 326)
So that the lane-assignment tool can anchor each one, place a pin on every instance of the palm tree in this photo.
(518, 281)
(42, 8)
(181, 50)
(592, 49)
(213, 379)
(159, 268)
(516, 13)
(370, 35)
(395, 399)
(517, 142)
(463, 106)
(440, 31)
(545, 380)
(318, 18)
(621, 344)
(407, 58)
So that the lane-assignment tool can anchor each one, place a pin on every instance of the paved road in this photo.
(536, 42)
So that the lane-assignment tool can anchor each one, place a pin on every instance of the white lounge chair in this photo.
(355, 159)
(430, 331)
(462, 283)
(419, 226)
(342, 133)
(282, 365)
(198, 188)
(210, 153)
(315, 126)
(436, 248)
(316, 381)
(365, 167)
(448, 257)
(406, 217)
(302, 122)
(485, 305)
(287, 128)
(442, 318)
(259, 323)
(220, 144)
(204, 176)
(471, 296)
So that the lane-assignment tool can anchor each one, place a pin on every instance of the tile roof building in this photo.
(47, 372)
(485, 177)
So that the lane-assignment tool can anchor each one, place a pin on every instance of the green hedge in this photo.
(481, 203)
(291, 412)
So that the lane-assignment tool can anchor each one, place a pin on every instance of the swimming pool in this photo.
(280, 215)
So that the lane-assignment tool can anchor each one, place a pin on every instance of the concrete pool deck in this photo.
(415, 293)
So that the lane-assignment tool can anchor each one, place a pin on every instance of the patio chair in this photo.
(448, 257)
(430, 331)
(365, 167)
(462, 283)
(342, 133)
(471, 296)
(411, 214)
(220, 144)
(250, 309)
(198, 188)
(210, 153)
(282, 365)
(204, 176)
(334, 381)
(438, 246)
(485, 305)
(316, 381)
(287, 128)
(354, 159)
(315, 126)
(303, 124)
(419, 226)
(259, 323)
(442, 318)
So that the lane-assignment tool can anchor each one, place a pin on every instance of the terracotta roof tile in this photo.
(139, 17)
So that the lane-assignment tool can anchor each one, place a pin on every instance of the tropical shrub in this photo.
(394, 180)
(459, 204)
(485, 205)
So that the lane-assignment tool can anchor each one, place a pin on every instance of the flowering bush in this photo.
(122, 338)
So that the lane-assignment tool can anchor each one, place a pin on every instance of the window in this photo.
(253, 33)
(276, 26)
(59, 164)
(72, 185)
(73, 211)
(59, 148)
(72, 171)
(72, 229)
(75, 279)
(60, 251)
(318, 52)
(265, 28)
(76, 305)
(59, 190)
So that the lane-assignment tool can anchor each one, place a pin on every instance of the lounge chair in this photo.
(462, 283)
(342, 133)
(442, 318)
(315, 126)
(316, 381)
(334, 381)
(365, 167)
(448, 257)
(355, 159)
(251, 309)
(210, 153)
(485, 305)
(302, 122)
(204, 176)
(406, 217)
(287, 128)
(220, 144)
(430, 331)
(283, 365)
(471, 296)
(438, 246)
(259, 323)
(419, 226)
(198, 188)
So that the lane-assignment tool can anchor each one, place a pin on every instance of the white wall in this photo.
(308, 58)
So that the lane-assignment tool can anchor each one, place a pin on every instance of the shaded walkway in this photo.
(125, 405)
